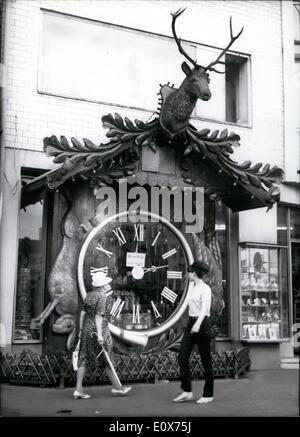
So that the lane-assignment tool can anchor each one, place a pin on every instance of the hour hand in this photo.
(154, 268)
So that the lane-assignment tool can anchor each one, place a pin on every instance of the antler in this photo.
(232, 39)
(175, 15)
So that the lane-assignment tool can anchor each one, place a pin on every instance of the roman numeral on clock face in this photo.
(174, 275)
(155, 239)
(99, 269)
(139, 232)
(107, 252)
(120, 236)
(117, 307)
(170, 253)
(169, 294)
(155, 310)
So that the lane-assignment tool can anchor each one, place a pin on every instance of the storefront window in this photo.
(264, 296)
(282, 225)
(288, 230)
(221, 235)
(30, 280)
(295, 223)
(295, 252)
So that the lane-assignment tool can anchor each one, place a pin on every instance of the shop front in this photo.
(141, 207)
(141, 215)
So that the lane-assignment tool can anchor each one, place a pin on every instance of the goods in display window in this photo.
(263, 292)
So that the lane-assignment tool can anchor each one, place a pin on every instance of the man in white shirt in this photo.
(196, 333)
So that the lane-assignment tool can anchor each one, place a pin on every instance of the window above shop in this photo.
(236, 89)
(100, 62)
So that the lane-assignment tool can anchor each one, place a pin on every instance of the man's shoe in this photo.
(204, 400)
(120, 392)
(184, 397)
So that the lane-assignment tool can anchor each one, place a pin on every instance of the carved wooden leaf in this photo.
(255, 168)
(265, 170)
(90, 145)
(129, 124)
(89, 160)
(224, 134)
(245, 165)
(254, 180)
(51, 151)
(77, 145)
(119, 121)
(65, 143)
(203, 132)
(213, 135)
(61, 157)
(140, 124)
(139, 139)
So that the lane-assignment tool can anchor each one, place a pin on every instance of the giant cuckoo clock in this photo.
(204, 159)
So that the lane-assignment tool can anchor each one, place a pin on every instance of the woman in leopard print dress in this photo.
(94, 318)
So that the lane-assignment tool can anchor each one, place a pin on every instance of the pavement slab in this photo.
(268, 393)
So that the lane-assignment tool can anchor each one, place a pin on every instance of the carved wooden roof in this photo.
(204, 158)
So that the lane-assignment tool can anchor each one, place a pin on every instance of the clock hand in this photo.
(153, 268)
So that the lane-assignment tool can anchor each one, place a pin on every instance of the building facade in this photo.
(68, 64)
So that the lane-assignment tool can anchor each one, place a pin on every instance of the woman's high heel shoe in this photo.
(120, 392)
(78, 395)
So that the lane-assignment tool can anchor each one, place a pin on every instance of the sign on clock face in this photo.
(147, 258)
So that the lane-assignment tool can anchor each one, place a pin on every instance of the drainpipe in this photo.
(2, 79)
(2, 148)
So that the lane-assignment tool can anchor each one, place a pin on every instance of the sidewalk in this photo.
(266, 393)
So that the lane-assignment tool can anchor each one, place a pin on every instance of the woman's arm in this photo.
(205, 309)
(99, 320)
(81, 320)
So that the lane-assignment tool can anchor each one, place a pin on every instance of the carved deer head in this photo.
(179, 105)
(197, 79)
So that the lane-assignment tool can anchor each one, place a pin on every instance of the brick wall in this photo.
(30, 116)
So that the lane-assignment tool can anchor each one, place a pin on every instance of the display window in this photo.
(264, 298)
(221, 236)
(29, 298)
(288, 230)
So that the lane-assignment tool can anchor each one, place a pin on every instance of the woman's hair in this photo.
(199, 267)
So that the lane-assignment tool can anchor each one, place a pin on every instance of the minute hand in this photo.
(153, 268)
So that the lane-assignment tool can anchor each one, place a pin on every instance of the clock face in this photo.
(147, 258)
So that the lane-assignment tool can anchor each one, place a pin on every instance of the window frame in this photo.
(242, 64)
(228, 308)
